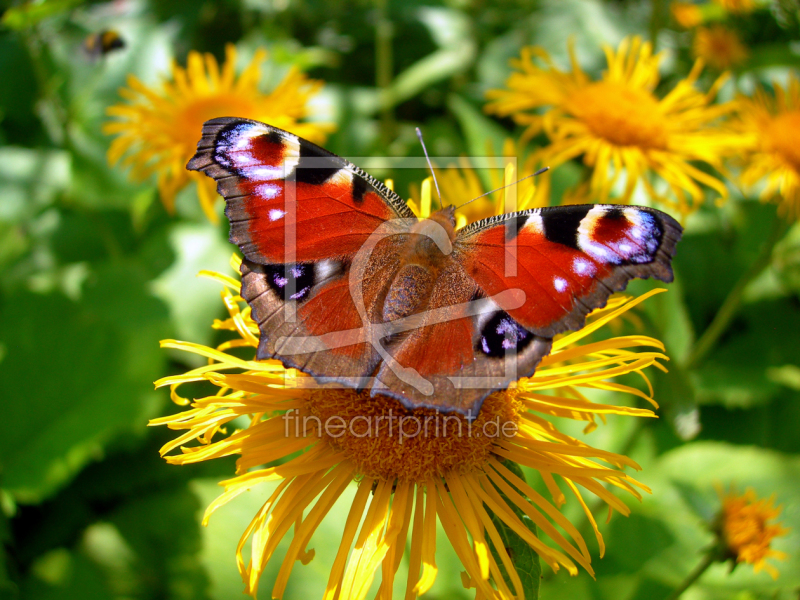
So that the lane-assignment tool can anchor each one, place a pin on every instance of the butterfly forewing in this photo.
(567, 260)
(287, 196)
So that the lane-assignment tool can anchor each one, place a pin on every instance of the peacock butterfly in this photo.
(349, 286)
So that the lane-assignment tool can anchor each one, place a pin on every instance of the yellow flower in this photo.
(686, 14)
(455, 477)
(618, 125)
(157, 128)
(719, 47)
(772, 127)
(462, 184)
(745, 532)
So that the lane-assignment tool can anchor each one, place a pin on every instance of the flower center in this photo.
(620, 115)
(386, 440)
(781, 137)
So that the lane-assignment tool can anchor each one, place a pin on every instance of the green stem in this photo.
(656, 21)
(384, 67)
(708, 560)
(56, 122)
(729, 308)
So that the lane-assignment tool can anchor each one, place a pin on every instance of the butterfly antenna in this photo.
(425, 150)
(539, 172)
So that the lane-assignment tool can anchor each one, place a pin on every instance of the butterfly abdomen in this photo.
(408, 292)
(427, 250)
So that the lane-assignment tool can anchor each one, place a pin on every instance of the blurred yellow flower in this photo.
(158, 128)
(618, 125)
(686, 14)
(771, 125)
(461, 184)
(719, 47)
(745, 532)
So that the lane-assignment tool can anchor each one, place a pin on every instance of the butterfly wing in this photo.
(300, 215)
(514, 282)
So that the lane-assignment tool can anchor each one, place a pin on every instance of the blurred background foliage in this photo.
(94, 271)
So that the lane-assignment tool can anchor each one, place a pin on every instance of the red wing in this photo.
(568, 259)
(287, 199)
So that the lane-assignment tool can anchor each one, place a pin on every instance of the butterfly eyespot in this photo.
(291, 282)
(501, 334)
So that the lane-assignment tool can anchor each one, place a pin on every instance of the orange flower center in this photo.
(620, 115)
(781, 137)
(388, 441)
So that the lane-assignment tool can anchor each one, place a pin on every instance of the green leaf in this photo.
(8, 589)
(771, 425)
(740, 370)
(75, 375)
(162, 532)
(646, 533)
(525, 559)
(61, 573)
(787, 260)
(194, 301)
(32, 13)
(478, 128)
(30, 180)
(451, 31)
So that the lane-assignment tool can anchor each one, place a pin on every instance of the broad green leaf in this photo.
(8, 588)
(479, 130)
(632, 541)
(787, 260)
(162, 532)
(451, 31)
(30, 179)
(772, 425)
(740, 370)
(76, 375)
(194, 301)
(61, 573)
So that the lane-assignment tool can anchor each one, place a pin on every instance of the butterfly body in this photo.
(348, 285)
(421, 262)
